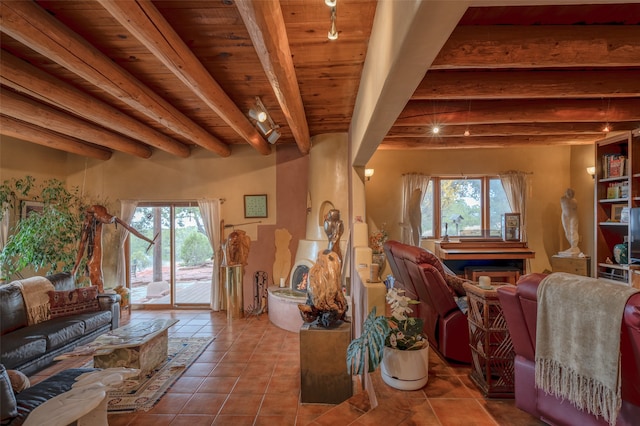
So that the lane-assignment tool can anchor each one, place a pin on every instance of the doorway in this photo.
(174, 272)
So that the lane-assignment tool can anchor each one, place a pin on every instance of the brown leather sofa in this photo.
(519, 305)
(421, 274)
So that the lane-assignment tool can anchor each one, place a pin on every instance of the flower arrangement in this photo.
(398, 331)
(377, 239)
(405, 332)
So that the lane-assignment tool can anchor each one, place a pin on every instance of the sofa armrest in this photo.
(111, 302)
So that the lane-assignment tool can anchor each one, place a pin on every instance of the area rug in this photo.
(142, 394)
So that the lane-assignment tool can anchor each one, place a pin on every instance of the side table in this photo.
(492, 351)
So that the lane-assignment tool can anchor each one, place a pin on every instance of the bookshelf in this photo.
(617, 189)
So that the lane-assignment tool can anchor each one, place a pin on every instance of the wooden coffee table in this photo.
(142, 345)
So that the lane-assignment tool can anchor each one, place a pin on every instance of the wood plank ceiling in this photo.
(93, 77)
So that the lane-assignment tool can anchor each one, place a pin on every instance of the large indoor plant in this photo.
(46, 239)
(395, 342)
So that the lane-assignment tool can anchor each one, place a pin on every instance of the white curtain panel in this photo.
(210, 211)
(127, 210)
(515, 184)
(410, 182)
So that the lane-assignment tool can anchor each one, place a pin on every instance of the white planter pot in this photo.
(405, 370)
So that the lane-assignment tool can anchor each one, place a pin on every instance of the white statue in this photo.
(570, 223)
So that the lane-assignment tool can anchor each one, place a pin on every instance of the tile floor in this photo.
(250, 375)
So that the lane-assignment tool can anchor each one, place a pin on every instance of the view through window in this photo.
(464, 207)
(177, 269)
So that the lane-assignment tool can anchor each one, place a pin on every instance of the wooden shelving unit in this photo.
(609, 230)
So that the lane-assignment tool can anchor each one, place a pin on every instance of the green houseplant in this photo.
(394, 342)
(46, 239)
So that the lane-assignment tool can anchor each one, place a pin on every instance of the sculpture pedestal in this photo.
(323, 371)
(233, 285)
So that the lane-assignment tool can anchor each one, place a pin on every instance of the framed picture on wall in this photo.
(511, 227)
(28, 207)
(255, 205)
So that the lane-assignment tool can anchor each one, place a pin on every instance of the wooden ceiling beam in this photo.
(32, 26)
(25, 78)
(533, 129)
(33, 112)
(424, 113)
(539, 46)
(28, 132)
(149, 27)
(487, 142)
(519, 84)
(268, 33)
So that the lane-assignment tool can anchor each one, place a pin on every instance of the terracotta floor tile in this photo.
(152, 420)
(211, 356)
(119, 419)
(248, 384)
(279, 405)
(228, 369)
(204, 403)
(342, 414)
(217, 384)
(245, 405)
(186, 384)
(446, 387)
(192, 420)
(455, 412)
(284, 385)
(275, 420)
(504, 411)
(224, 420)
(237, 356)
(264, 368)
(309, 412)
(199, 369)
(171, 403)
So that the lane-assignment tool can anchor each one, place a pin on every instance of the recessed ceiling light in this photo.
(435, 130)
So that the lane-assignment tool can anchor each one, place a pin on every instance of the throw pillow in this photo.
(70, 302)
(455, 283)
(8, 405)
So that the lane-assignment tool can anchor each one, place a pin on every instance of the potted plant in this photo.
(395, 342)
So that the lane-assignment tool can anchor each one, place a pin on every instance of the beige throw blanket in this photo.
(578, 341)
(36, 299)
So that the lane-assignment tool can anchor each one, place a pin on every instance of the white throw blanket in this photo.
(36, 299)
(578, 341)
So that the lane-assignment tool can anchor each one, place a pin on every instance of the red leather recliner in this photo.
(421, 274)
(519, 305)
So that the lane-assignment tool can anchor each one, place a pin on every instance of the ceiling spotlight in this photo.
(273, 136)
(260, 116)
(467, 132)
(606, 128)
(435, 130)
(331, 3)
(333, 32)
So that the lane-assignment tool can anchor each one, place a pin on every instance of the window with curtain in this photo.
(464, 206)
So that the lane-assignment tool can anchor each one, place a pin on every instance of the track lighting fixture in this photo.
(264, 122)
(331, 3)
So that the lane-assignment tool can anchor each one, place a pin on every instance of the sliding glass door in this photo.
(176, 270)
